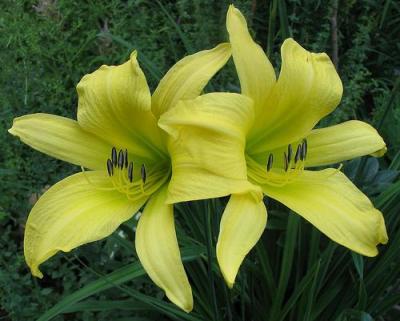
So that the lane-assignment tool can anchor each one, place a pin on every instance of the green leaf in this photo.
(142, 57)
(105, 305)
(118, 277)
(188, 46)
(301, 287)
(287, 262)
(359, 264)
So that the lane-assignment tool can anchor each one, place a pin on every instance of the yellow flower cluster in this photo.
(138, 149)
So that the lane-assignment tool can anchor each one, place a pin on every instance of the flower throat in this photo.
(292, 167)
(121, 172)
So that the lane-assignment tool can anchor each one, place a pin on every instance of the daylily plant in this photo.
(263, 144)
(117, 139)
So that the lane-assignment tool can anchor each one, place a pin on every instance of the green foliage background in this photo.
(46, 46)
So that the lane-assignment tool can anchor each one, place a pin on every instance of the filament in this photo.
(120, 172)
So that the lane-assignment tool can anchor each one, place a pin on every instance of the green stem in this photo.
(283, 19)
(208, 236)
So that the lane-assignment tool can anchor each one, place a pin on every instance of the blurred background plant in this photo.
(294, 273)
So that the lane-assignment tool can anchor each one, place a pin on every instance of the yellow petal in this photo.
(61, 138)
(158, 250)
(74, 212)
(242, 224)
(333, 144)
(187, 78)
(256, 74)
(206, 143)
(334, 205)
(308, 89)
(341, 142)
(115, 104)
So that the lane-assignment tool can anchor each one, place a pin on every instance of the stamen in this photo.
(286, 161)
(293, 166)
(143, 173)
(270, 162)
(126, 158)
(114, 156)
(301, 152)
(121, 159)
(289, 153)
(304, 149)
(121, 175)
(110, 168)
(298, 153)
(130, 172)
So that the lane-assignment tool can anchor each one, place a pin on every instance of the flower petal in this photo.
(158, 250)
(242, 224)
(334, 144)
(334, 205)
(256, 74)
(74, 212)
(206, 143)
(342, 142)
(61, 138)
(187, 78)
(115, 104)
(308, 89)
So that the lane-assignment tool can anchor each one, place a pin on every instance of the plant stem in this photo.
(284, 21)
(334, 34)
(271, 27)
(208, 236)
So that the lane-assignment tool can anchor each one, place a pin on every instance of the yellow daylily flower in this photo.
(117, 139)
(269, 139)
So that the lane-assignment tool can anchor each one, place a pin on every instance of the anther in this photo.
(126, 158)
(110, 168)
(143, 173)
(270, 162)
(298, 154)
(289, 152)
(304, 148)
(121, 159)
(114, 156)
(301, 152)
(130, 172)
(286, 161)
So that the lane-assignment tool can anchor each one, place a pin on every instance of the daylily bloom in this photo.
(268, 140)
(117, 139)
